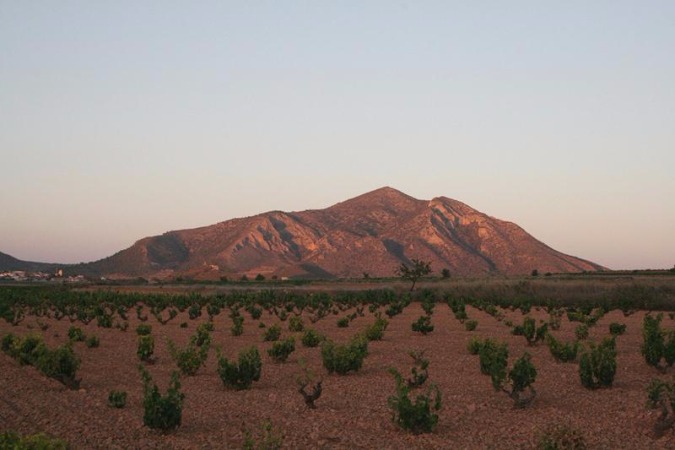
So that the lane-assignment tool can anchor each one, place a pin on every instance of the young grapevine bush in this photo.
(144, 329)
(272, 333)
(59, 363)
(162, 412)
(92, 341)
(75, 334)
(532, 333)
(281, 350)
(655, 347)
(470, 325)
(190, 358)
(311, 338)
(597, 365)
(342, 359)
(295, 324)
(423, 325)
(117, 399)
(493, 358)
(12, 441)
(617, 329)
(145, 348)
(661, 395)
(375, 332)
(418, 416)
(562, 351)
(240, 375)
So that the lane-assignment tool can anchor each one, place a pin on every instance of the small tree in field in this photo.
(418, 270)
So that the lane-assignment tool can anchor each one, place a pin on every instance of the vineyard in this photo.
(519, 365)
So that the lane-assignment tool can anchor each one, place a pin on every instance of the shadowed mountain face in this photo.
(372, 233)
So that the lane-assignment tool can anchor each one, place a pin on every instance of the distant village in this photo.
(25, 276)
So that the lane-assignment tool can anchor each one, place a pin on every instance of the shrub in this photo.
(343, 322)
(532, 333)
(494, 361)
(617, 329)
(92, 342)
(581, 331)
(8, 345)
(562, 352)
(237, 325)
(420, 369)
(521, 376)
(418, 416)
(29, 349)
(281, 350)
(311, 338)
(144, 329)
(661, 394)
(202, 336)
(597, 365)
(395, 308)
(423, 325)
(241, 375)
(104, 320)
(474, 345)
(272, 333)
(269, 438)
(375, 332)
(555, 318)
(146, 347)
(296, 324)
(190, 358)
(428, 306)
(654, 344)
(162, 412)
(12, 441)
(194, 311)
(60, 364)
(254, 311)
(561, 437)
(305, 379)
(342, 359)
(75, 334)
(117, 399)
(470, 325)
(183, 325)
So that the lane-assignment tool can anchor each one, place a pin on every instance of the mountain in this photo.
(373, 233)
(10, 263)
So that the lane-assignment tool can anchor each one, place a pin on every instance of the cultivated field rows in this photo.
(352, 411)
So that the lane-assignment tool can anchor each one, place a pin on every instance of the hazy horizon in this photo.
(121, 120)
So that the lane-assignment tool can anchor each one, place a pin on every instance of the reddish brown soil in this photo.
(353, 411)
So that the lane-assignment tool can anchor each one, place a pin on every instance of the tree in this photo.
(445, 273)
(414, 273)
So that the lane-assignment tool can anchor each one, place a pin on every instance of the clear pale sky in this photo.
(124, 119)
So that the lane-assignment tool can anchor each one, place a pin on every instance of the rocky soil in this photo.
(353, 411)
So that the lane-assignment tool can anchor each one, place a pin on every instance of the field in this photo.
(352, 411)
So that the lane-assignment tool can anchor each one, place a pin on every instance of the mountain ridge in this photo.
(371, 233)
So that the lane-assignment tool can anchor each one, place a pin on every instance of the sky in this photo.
(125, 119)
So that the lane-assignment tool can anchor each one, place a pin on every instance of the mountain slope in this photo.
(10, 263)
(372, 233)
